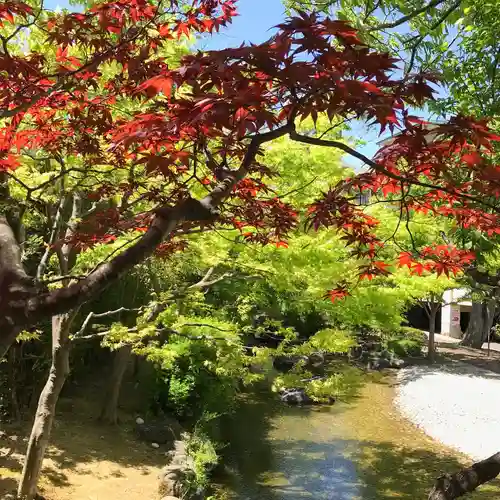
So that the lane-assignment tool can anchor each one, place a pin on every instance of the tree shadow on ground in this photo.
(78, 440)
(12, 446)
(476, 357)
(452, 367)
(7, 485)
(406, 473)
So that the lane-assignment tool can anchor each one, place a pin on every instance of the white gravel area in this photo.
(458, 405)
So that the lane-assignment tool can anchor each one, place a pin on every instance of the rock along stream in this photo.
(358, 450)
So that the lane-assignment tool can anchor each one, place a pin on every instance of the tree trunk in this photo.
(14, 402)
(42, 426)
(9, 334)
(474, 332)
(452, 486)
(481, 321)
(431, 345)
(15, 285)
(109, 410)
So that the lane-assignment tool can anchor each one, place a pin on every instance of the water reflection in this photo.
(309, 459)
(311, 470)
(363, 450)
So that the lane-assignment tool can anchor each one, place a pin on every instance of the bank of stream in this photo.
(361, 449)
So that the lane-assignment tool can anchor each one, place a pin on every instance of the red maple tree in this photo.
(200, 127)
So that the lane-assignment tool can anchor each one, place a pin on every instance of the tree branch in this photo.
(157, 309)
(406, 18)
(420, 38)
(163, 225)
(15, 285)
(159, 331)
(203, 283)
(378, 167)
(106, 314)
(53, 237)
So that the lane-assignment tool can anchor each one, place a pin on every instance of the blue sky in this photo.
(254, 24)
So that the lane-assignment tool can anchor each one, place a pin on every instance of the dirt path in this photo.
(86, 462)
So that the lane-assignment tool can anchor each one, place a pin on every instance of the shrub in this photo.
(405, 347)
(203, 452)
(407, 341)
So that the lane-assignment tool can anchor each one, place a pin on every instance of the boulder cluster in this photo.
(176, 479)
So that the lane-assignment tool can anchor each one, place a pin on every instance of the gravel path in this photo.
(456, 404)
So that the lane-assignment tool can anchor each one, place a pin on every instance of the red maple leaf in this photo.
(405, 259)
(335, 294)
(280, 244)
(472, 159)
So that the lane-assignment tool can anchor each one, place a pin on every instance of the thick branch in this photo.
(66, 298)
(450, 486)
(13, 277)
(165, 222)
(15, 284)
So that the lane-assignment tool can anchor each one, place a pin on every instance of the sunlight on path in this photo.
(87, 461)
(104, 480)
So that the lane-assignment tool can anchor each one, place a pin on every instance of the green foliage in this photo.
(405, 347)
(412, 334)
(26, 336)
(342, 385)
(459, 40)
(202, 451)
(327, 340)
(406, 341)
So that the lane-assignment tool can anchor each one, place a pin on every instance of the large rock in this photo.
(299, 397)
(296, 397)
(381, 360)
(313, 361)
(178, 455)
(378, 363)
(162, 431)
(285, 363)
(177, 478)
(173, 480)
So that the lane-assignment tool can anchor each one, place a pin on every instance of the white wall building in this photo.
(451, 311)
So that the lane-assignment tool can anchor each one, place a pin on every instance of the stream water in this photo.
(358, 450)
